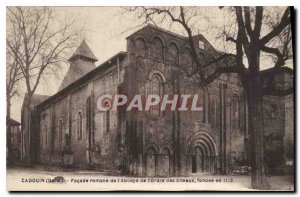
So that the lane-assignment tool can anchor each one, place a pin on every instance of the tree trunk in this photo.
(9, 153)
(256, 135)
(27, 129)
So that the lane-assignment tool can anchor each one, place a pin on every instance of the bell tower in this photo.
(81, 62)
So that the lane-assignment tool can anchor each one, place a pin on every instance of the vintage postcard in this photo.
(150, 98)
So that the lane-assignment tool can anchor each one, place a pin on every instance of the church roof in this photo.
(75, 72)
(78, 69)
(84, 51)
(88, 76)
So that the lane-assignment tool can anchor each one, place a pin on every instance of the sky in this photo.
(106, 32)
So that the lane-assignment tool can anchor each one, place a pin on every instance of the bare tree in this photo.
(39, 42)
(13, 77)
(253, 32)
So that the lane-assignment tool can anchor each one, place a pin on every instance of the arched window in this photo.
(151, 151)
(151, 162)
(187, 59)
(164, 162)
(157, 48)
(157, 88)
(46, 134)
(108, 121)
(140, 46)
(235, 111)
(107, 115)
(165, 152)
(173, 53)
(60, 130)
(79, 125)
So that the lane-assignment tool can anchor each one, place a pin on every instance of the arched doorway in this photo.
(151, 162)
(164, 162)
(201, 153)
(197, 160)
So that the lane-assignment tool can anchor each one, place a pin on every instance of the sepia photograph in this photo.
(154, 98)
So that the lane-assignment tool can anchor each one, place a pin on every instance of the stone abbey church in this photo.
(151, 143)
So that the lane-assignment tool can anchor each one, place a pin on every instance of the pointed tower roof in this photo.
(84, 51)
(81, 62)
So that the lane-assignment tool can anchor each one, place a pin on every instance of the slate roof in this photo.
(84, 51)
(77, 70)
(88, 76)
(74, 73)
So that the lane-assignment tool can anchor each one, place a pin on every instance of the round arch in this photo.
(165, 149)
(204, 138)
(203, 144)
(157, 48)
(140, 37)
(172, 42)
(140, 45)
(156, 36)
(196, 150)
(156, 72)
(173, 52)
(152, 146)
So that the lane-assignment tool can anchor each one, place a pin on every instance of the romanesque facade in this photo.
(151, 143)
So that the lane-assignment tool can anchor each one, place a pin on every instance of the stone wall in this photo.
(174, 130)
(154, 143)
(67, 108)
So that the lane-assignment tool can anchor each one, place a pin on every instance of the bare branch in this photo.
(42, 42)
(219, 71)
(285, 21)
